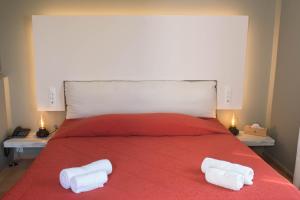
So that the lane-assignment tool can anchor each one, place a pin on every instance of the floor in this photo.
(10, 175)
(260, 152)
(278, 169)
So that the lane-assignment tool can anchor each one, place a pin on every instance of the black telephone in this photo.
(20, 132)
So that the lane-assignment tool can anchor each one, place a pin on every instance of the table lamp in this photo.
(232, 127)
(42, 132)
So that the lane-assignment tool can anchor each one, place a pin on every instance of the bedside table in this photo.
(16, 145)
(255, 141)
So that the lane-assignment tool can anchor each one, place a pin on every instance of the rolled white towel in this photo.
(88, 181)
(103, 165)
(66, 174)
(245, 171)
(227, 179)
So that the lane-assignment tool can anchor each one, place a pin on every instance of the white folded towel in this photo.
(88, 181)
(66, 174)
(227, 179)
(247, 172)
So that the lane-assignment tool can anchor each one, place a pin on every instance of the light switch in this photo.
(52, 96)
(228, 95)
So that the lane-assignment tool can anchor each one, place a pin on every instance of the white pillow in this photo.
(90, 98)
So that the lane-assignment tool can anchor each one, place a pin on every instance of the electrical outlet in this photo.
(228, 95)
(52, 96)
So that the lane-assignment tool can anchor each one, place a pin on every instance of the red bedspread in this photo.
(149, 168)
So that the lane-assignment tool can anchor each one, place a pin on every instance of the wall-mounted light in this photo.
(232, 127)
(42, 132)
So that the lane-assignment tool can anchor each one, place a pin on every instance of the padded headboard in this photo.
(90, 98)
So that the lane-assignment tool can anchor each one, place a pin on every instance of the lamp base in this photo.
(42, 133)
(234, 130)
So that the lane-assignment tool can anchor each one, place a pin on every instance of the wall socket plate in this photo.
(52, 96)
(228, 95)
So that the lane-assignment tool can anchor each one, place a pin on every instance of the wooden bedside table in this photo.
(16, 145)
(255, 141)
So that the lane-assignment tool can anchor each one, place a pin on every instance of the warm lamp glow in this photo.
(233, 121)
(232, 127)
(42, 122)
(42, 132)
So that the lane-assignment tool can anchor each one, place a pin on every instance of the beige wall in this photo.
(17, 55)
(2, 122)
(285, 121)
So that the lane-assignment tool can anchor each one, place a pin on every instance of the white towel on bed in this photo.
(66, 174)
(247, 172)
(88, 181)
(227, 179)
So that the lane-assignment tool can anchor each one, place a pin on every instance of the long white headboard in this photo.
(139, 48)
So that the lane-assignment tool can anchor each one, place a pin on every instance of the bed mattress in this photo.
(165, 167)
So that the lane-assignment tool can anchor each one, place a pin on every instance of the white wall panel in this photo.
(139, 48)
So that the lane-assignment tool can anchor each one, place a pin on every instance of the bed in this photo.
(155, 156)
